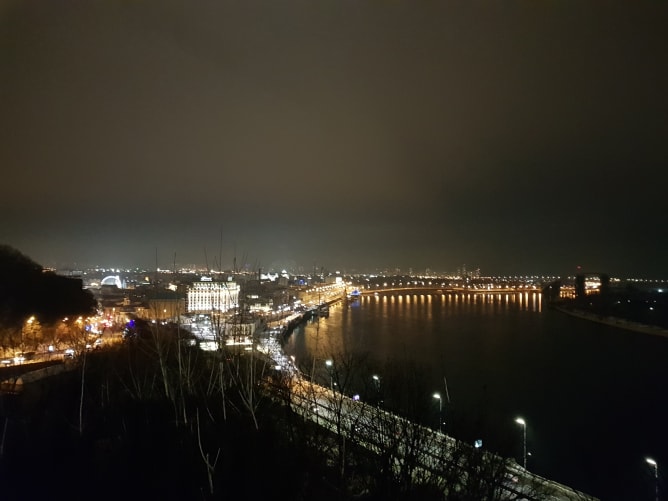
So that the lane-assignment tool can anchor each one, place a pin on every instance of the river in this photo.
(593, 396)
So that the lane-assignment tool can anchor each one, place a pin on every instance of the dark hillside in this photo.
(26, 289)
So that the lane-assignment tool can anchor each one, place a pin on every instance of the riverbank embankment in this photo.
(289, 320)
(611, 321)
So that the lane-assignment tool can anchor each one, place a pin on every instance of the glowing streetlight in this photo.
(440, 409)
(376, 380)
(329, 365)
(653, 463)
(523, 423)
(29, 326)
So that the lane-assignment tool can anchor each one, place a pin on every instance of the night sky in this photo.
(525, 137)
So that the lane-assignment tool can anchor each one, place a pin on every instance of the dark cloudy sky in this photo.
(523, 137)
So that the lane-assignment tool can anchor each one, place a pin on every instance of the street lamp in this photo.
(651, 462)
(29, 326)
(523, 423)
(440, 409)
(376, 380)
(329, 364)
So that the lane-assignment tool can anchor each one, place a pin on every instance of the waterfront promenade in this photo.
(430, 455)
(377, 430)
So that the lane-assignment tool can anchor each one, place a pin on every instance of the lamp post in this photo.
(27, 324)
(523, 423)
(440, 409)
(329, 364)
(376, 380)
(653, 463)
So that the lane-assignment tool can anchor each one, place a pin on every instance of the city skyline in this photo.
(517, 138)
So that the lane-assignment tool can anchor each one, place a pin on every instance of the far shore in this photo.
(614, 321)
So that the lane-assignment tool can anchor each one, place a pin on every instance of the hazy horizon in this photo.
(518, 138)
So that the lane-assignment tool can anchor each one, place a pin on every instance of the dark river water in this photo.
(594, 397)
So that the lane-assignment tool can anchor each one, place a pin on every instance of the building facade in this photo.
(207, 296)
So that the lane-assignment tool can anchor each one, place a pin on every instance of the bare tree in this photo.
(208, 463)
(79, 339)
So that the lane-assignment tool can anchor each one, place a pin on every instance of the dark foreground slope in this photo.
(128, 440)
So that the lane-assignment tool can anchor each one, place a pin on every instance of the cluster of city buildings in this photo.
(242, 302)
(210, 304)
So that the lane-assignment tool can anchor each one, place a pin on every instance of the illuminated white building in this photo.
(208, 296)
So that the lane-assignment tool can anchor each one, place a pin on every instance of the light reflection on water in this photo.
(580, 385)
(388, 316)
